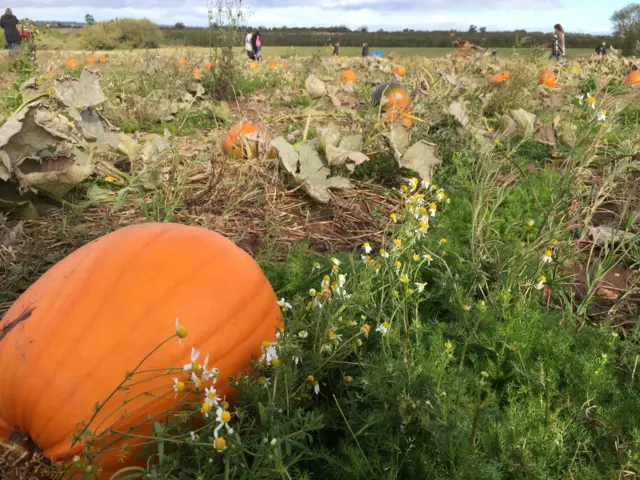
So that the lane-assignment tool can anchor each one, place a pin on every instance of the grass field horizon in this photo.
(280, 51)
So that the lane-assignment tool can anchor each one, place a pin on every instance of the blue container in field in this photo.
(377, 54)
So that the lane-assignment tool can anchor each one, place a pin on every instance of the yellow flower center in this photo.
(181, 332)
(225, 417)
(205, 408)
(220, 444)
(262, 381)
(311, 378)
(591, 100)
(397, 242)
(180, 386)
(266, 344)
(275, 362)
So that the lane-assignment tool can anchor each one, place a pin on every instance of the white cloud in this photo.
(389, 14)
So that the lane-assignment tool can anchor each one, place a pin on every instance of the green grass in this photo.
(355, 51)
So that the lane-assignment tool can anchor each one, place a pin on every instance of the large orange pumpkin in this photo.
(400, 70)
(90, 60)
(500, 77)
(547, 78)
(236, 141)
(349, 76)
(395, 94)
(102, 58)
(254, 65)
(72, 63)
(71, 338)
(633, 78)
(182, 61)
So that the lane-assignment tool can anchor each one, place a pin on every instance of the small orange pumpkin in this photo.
(633, 78)
(500, 77)
(197, 74)
(72, 63)
(84, 341)
(102, 58)
(400, 70)
(235, 143)
(182, 61)
(209, 65)
(90, 60)
(254, 65)
(395, 95)
(547, 78)
(349, 76)
(274, 64)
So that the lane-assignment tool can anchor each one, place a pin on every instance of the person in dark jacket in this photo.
(601, 50)
(365, 49)
(9, 24)
(336, 49)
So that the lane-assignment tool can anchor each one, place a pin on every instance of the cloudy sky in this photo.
(589, 16)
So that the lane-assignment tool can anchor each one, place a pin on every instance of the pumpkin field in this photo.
(317, 267)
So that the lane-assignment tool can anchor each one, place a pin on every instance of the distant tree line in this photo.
(317, 37)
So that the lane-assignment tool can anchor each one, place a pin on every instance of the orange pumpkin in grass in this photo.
(547, 78)
(90, 60)
(500, 77)
(237, 145)
(197, 74)
(209, 65)
(102, 58)
(274, 64)
(395, 95)
(182, 61)
(72, 63)
(94, 316)
(349, 76)
(400, 70)
(633, 78)
(254, 65)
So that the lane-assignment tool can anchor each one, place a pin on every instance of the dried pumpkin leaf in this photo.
(602, 235)
(459, 112)
(421, 157)
(525, 120)
(85, 92)
(315, 87)
(338, 157)
(55, 176)
(546, 134)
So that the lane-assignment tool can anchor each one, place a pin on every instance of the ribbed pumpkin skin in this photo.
(633, 78)
(395, 93)
(500, 77)
(97, 313)
(547, 78)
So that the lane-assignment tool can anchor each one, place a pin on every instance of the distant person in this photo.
(256, 45)
(336, 49)
(365, 49)
(561, 45)
(249, 47)
(601, 50)
(9, 24)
